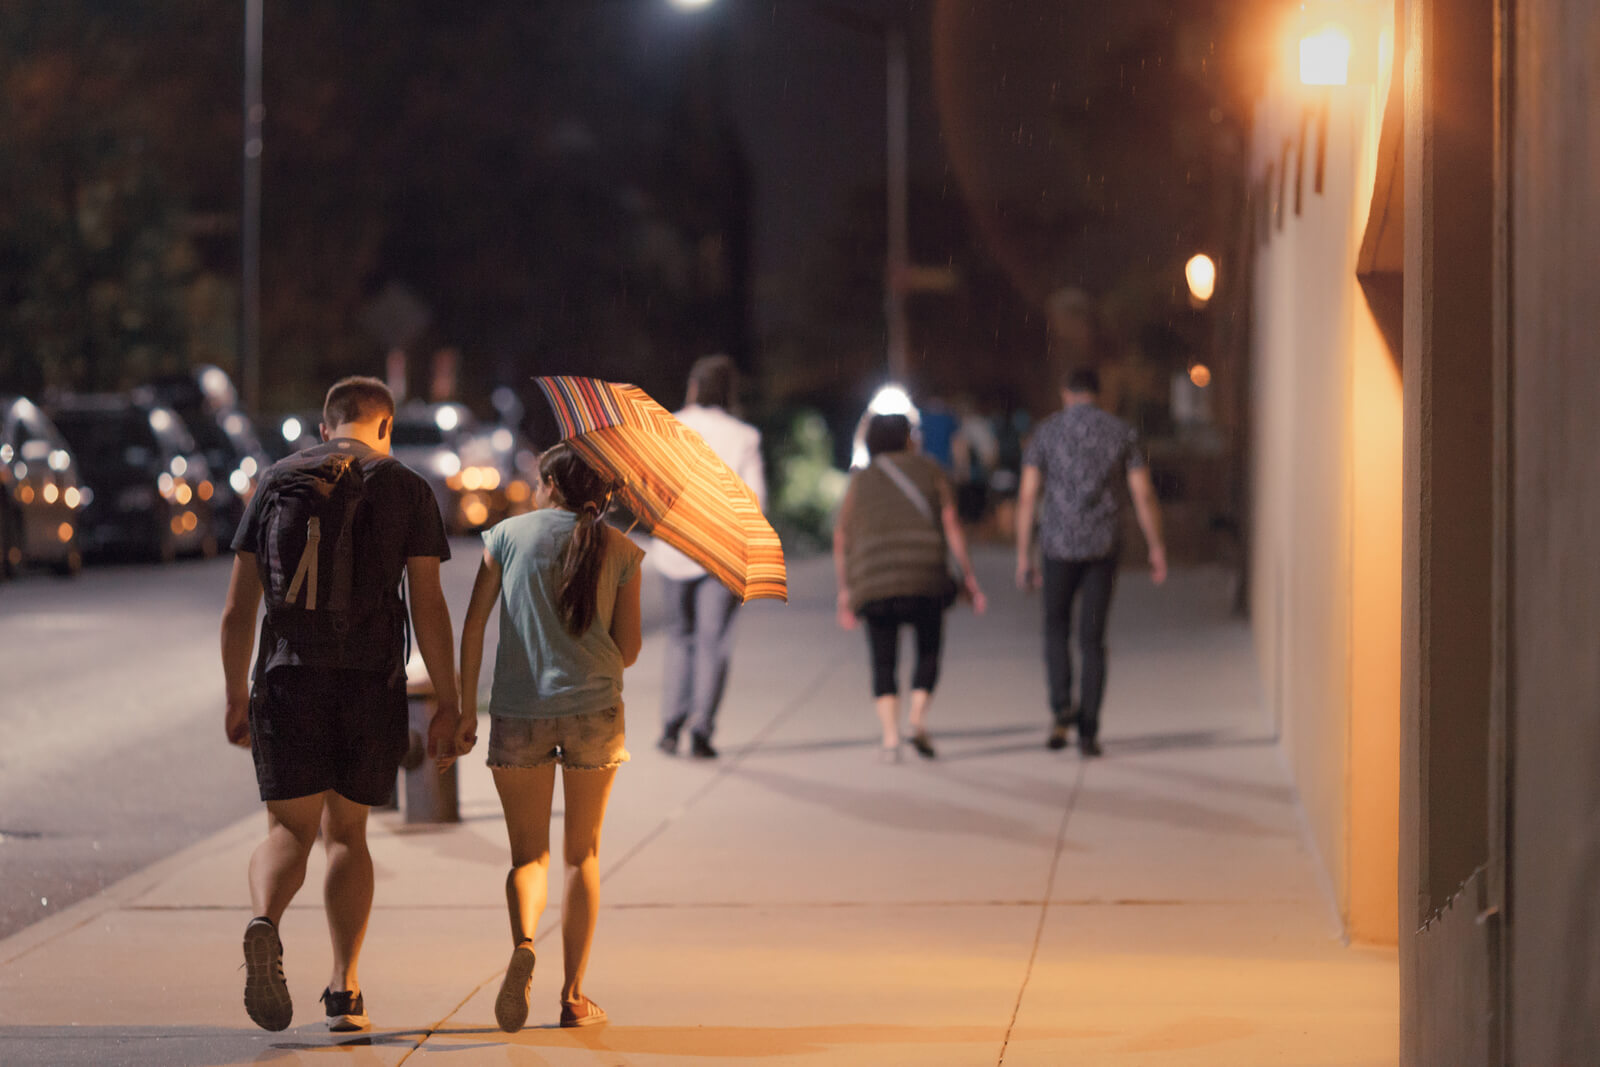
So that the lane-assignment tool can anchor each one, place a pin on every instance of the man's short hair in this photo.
(1084, 380)
(887, 433)
(713, 379)
(356, 399)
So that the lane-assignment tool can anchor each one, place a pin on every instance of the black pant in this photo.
(884, 618)
(1090, 581)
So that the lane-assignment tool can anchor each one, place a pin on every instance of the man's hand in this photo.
(236, 722)
(980, 603)
(442, 733)
(847, 618)
(1158, 564)
(1027, 574)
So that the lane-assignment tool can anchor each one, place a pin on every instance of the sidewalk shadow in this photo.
(899, 810)
(756, 1042)
(793, 747)
(198, 1046)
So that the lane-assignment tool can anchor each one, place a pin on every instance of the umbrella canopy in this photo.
(679, 489)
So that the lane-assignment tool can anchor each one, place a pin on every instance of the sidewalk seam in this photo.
(1044, 908)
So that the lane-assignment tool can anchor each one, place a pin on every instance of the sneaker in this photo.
(511, 1006)
(347, 1011)
(700, 748)
(924, 747)
(668, 744)
(581, 1012)
(1088, 746)
(1058, 737)
(266, 993)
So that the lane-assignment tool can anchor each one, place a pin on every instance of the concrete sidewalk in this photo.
(798, 902)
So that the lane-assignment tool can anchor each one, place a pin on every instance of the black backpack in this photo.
(325, 598)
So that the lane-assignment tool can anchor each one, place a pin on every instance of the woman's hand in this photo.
(847, 618)
(980, 603)
(467, 731)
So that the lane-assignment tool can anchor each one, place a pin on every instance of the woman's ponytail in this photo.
(586, 493)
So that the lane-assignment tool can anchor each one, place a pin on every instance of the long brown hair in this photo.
(583, 490)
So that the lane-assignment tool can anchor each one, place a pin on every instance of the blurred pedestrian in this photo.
(326, 539)
(1069, 474)
(892, 543)
(567, 586)
(700, 609)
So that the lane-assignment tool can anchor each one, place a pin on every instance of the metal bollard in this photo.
(430, 796)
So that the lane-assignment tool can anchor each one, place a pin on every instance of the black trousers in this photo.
(925, 615)
(1090, 582)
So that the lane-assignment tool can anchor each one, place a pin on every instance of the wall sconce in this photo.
(1201, 274)
(1336, 42)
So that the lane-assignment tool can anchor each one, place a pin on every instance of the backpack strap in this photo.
(904, 483)
(307, 571)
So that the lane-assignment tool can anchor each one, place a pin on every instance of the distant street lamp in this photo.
(1201, 274)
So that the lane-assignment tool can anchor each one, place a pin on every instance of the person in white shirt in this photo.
(699, 608)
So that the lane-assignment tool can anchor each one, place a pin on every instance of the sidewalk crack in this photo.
(1044, 908)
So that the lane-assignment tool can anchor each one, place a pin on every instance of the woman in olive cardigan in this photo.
(892, 544)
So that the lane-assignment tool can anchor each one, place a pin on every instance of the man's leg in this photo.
(715, 607)
(278, 865)
(1061, 578)
(1099, 580)
(347, 891)
(678, 668)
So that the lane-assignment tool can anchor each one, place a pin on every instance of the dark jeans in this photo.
(924, 614)
(699, 645)
(1090, 582)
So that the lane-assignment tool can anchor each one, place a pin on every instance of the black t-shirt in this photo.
(401, 520)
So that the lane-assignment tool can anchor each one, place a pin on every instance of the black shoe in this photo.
(924, 747)
(1058, 737)
(700, 748)
(266, 994)
(1088, 746)
(347, 1012)
(668, 744)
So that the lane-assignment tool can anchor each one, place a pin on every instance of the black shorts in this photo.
(313, 729)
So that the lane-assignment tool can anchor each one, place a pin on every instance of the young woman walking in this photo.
(568, 590)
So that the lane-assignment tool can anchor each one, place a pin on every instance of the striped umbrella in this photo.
(679, 489)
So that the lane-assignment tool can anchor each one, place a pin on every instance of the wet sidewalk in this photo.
(798, 902)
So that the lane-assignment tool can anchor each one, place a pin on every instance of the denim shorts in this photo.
(591, 741)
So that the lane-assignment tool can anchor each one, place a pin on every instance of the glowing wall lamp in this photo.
(1201, 274)
(1336, 42)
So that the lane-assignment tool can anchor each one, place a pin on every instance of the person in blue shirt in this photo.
(567, 586)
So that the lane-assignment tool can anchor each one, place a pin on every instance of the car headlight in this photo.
(447, 464)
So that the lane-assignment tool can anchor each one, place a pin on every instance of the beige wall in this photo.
(1326, 581)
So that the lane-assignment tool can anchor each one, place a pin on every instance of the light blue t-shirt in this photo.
(541, 671)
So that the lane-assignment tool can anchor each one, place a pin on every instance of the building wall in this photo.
(1326, 568)
(1554, 633)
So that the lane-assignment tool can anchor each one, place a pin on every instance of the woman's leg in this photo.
(586, 793)
(525, 797)
(883, 637)
(928, 621)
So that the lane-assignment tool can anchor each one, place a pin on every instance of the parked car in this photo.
(441, 442)
(205, 399)
(41, 495)
(151, 488)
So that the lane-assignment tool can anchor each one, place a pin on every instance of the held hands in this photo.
(466, 731)
(847, 618)
(236, 720)
(442, 733)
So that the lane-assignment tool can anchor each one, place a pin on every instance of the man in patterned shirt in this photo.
(1075, 458)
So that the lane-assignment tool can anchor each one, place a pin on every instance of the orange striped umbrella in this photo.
(679, 489)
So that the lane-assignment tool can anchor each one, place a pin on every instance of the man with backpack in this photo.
(326, 540)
